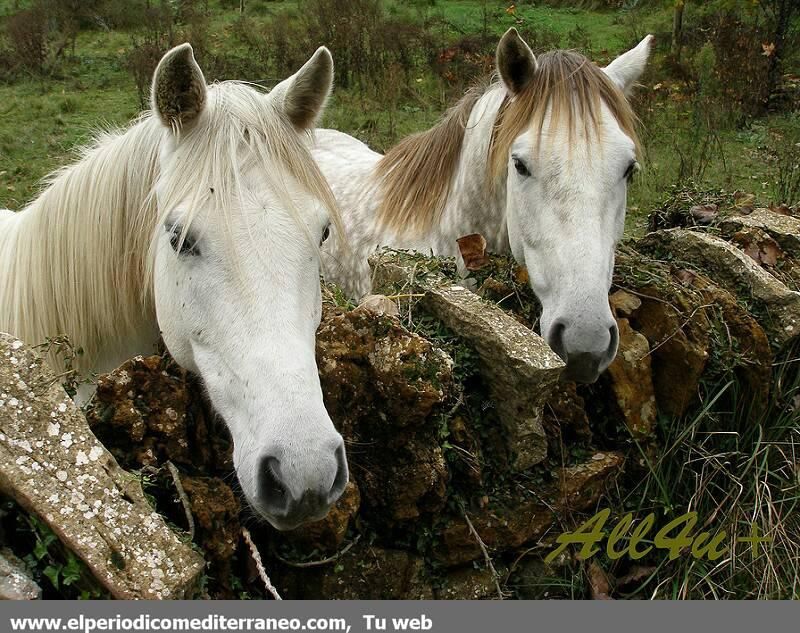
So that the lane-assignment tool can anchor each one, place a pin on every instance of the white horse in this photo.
(537, 162)
(201, 221)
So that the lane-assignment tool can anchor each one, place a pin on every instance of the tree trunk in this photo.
(783, 12)
(677, 29)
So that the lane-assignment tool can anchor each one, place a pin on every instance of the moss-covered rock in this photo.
(54, 467)
(776, 306)
(382, 385)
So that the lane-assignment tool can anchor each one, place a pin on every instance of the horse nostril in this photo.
(556, 339)
(613, 343)
(271, 489)
(342, 476)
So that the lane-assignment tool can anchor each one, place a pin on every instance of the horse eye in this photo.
(325, 234)
(189, 246)
(522, 168)
(633, 168)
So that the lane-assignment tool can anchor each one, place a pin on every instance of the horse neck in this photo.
(473, 205)
(76, 264)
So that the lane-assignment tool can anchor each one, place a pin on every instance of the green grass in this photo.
(43, 120)
(740, 160)
(732, 465)
(41, 129)
(737, 466)
(464, 17)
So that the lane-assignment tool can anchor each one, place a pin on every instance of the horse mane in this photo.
(416, 175)
(73, 262)
(418, 171)
(78, 261)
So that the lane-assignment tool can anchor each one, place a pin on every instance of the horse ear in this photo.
(626, 69)
(302, 96)
(515, 61)
(179, 89)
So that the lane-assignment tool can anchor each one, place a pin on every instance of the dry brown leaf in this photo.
(765, 251)
(751, 250)
(686, 277)
(704, 213)
(378, 305)
(473, 251)
(781, 209)
(624, 303)
(598, 581)
(770, 253)
(636, 574)
(521, 275)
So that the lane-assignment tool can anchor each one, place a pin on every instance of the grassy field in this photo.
(43, 118)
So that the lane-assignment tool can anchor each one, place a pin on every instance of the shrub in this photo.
(741, 68)
(31, 40)
(274, 48)
(364, 41)
(123, 14)
(352, 30)
(468, 58)
(786, 157)
(147, 49)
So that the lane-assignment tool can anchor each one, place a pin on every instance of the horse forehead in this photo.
(572, 133)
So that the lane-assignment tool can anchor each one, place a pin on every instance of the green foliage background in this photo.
(400, 63)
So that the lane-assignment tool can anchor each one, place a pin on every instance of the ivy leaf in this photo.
(52, 574)
(40, 550)
(71, 572)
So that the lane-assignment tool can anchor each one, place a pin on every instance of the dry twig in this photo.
(486, 556)
(187, 508)
(324, 561)
(260, 565)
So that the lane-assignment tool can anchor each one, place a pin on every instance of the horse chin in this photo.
(585, 369)
(580, 375)
(288, 523)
